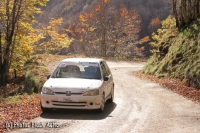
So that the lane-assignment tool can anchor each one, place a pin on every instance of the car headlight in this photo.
(91, 93)
(47, 91)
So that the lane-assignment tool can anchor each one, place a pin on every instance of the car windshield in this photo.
(86, 70)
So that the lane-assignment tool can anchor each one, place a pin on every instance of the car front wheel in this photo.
(101, 109)
(44, 109)
(111, 95)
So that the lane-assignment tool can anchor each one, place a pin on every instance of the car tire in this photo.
(101, 109)
(44, 109)
(111, 95)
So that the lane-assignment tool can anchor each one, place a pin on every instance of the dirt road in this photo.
(139, 107)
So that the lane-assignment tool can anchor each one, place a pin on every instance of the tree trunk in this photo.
(84, 49)
(184, 13)
(10, 29)
(1, 68)
(103, 44)
(4, 71)
(15, 73)
(6, 64)
(197, 6)
(175, 12)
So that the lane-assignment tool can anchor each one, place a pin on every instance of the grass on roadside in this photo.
(181, 60)
(15, 99)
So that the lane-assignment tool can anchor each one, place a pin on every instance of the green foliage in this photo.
(14, 99)
(182, 58)
(35, 74)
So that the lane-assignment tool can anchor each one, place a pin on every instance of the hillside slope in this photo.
(178, 57)
(148, 11)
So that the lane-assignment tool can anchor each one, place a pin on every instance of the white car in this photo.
(78, 83)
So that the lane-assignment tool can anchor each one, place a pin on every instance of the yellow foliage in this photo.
(162, 33)
(54, 40)
(105, 1)
(23, 37)
(55, 22)
(82, 18)
(21, 53)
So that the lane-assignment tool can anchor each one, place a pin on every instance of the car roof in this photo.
(82, 60)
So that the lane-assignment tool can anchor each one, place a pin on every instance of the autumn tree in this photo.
(92, 28)
(51, 38)
(106, 31)
(16, 17)
(80, 37)
(124, 35)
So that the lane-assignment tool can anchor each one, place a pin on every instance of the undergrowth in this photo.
(182, 59)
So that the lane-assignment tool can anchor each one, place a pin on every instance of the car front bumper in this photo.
(71, 102)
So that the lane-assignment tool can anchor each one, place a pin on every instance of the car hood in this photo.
(70, 84)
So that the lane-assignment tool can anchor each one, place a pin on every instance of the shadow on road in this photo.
(80, 114)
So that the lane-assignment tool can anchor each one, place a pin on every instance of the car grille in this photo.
(72, 104)
(64, 93)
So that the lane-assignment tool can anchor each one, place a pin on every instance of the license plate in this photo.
(61, 99)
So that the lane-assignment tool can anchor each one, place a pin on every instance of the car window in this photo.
(105, 73)
(84, 70)
(107, 68)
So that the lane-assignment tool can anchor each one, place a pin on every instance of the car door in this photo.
(110, 81)
(106, 85)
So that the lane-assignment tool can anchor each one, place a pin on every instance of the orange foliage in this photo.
(117, 25)
(145, 39)
(88, 15)
(139, 49)
(84, 17)
(155, 22)
(135, 15)
(142, 48)
(68, 2)
(124, 12)
(98, 8)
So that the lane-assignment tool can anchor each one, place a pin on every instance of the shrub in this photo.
(35, 74)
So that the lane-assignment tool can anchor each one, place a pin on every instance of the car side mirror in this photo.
(48, 76)
(105, 78)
